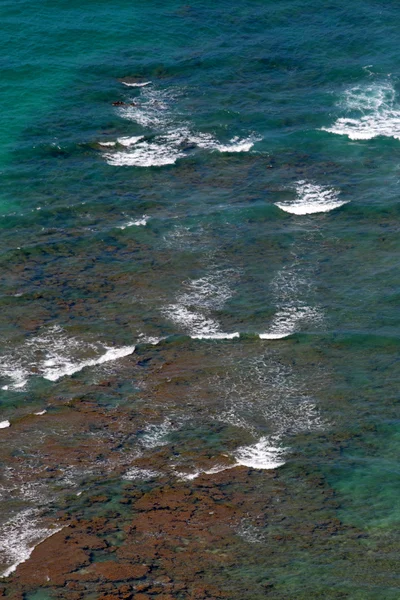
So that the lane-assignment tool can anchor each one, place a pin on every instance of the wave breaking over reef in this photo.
(19, 537)
(370, 111)
(170, 135)
(193, 310)
(312, 198)
(53, 355)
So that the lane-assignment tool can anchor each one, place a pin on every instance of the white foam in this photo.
(4, 424)
(192, 309)
(372, 111)
(312, 198)
(216, 336)
(274, 336)
(212, 471)
(236, 144)
(287, 320)
(135, 84)
(12, 368)
(172, 132)
(151, 109)
(107, 144)
(52, 355)
(157, 435)
(129, 141)
(19, 537)
(136, 473)
(262, 455)
(39, 413)
(138, 223)
(54, 372)
(145, 154)
(149, 339)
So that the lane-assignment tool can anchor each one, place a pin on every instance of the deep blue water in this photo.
(245, 194)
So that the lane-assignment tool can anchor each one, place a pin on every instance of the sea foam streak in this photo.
(312, 198)
(371, 111)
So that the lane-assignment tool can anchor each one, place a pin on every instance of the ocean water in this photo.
(200, 202)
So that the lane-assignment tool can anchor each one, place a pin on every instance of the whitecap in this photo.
(287, 320)
(53, 371)
(371, 111)
(136, 84)
(39, 413)
(262, 455)
(52, 355)
(219, 335)
(4, 424)
(107, 144)
(145, 154)
(312, 198)
(129, 141)
(192, 309)
(209, 142)
(138, 222)
(274, 336)
(172, 133)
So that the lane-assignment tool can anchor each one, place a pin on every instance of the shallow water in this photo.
(221, 249)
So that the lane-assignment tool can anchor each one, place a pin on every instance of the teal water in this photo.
(248, 185)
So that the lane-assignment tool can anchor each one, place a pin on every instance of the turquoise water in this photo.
(237, 218)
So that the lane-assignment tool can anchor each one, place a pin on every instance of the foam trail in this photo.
(371, 111)
(262, 455)
(312, 198)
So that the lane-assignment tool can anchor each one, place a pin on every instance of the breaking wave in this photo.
(53, 355)
(312, 198)
(370, 111)
(170, 135)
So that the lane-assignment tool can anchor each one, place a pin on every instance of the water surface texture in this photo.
(199, 252)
